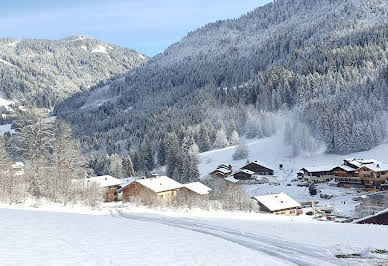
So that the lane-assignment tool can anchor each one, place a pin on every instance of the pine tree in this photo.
(128, 169)
(203, 139)
(221, 139)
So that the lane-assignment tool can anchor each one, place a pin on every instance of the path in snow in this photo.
(287, 251)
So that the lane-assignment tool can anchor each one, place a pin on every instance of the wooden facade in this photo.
(110, 194)
(243, 175)
(146, 195)
(258, 169)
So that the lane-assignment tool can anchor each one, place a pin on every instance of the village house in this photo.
(107, 183)
(194, 191)
(148, 190)
(318, 174)
(359, 173)
(244, 174)
(258, 168)
(222, 171)
(279, 204)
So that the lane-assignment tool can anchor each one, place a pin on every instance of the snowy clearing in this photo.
(136, 237)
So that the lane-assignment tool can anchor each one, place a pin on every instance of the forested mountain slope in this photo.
(41, 73)
(324, 59)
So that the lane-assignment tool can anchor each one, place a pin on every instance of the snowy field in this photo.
(133, 236)
(271, 151)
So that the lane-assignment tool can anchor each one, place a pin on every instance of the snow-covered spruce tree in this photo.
(128, 167)
(234, 139)
(172, 155)
(203, 139)
(241, 152)
(221, 139)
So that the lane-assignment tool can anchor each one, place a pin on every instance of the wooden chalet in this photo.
(279, 204)
(378, 218)
(370, 175)
(318, 174)
(258, 168)
(148, 190)
(108, 184)
(222, 171)
(244, 174)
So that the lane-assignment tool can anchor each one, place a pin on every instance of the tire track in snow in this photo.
(290, 252)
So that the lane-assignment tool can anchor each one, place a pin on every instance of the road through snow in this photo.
(287, 251)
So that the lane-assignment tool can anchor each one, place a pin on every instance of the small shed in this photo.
(258, 168)
(280, 204)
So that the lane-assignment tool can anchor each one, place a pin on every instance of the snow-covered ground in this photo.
(135, 236)
(271, 151)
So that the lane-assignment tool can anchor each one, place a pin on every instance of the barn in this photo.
(258, 168)
(149, 190)
(192, 192)
(244, 174)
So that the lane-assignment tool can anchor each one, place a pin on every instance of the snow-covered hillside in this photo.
(132, 237)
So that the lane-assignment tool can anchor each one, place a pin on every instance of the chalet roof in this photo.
(323, 168)
(259, 164)
(198, 188)
(126, 182)
(104, 181)
(246, 171)
(231, 179)
(159, 183)
(277, 202)
(362, 162)
(377, 167)
(346, 168)
(223, 170)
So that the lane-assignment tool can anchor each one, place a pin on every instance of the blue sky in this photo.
(148, 26)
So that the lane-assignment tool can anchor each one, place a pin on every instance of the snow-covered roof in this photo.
(159, 183)
(231, 179)
(126, 182)
(198, 188)
(246, 171)
(261, 164)
(362, 162)
(224, 170)
(276, 202)
(322, 168)
(104, 181)
(347, 168)
(377, 167)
